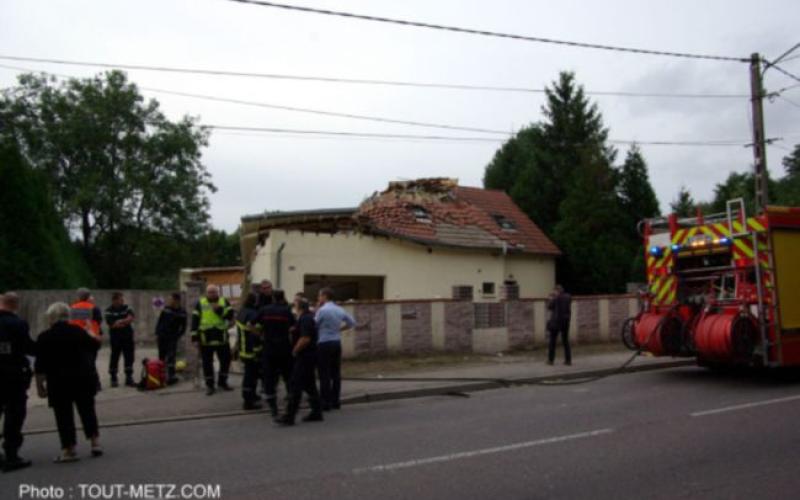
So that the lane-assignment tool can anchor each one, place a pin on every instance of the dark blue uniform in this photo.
(275, 321)
(304, 376)
(15, 379)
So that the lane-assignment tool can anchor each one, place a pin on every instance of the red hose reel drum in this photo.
(661, 334)
(726, 337)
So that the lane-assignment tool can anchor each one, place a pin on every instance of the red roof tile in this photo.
(457, 216)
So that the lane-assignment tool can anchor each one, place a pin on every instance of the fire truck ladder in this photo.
(766, 314)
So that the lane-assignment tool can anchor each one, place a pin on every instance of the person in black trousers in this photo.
(119, 317)
(275, 321)
(560, 307)
(304, 377)
(66, 376)
(249, 345)
(170, 328)
(15, 379)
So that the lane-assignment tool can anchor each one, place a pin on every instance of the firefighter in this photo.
(210, 321)
(304, 351)
(119, 317)
(15, 379)
(248, 348)
(264, 293)
(170, 328)
(275, 320)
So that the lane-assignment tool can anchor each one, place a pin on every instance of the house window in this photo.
(421, 214)
(488, 288)
(504, 222)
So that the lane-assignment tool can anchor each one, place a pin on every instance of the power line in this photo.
(783, 56)
(789, 101)
(452, 138)
(357, 81)
(790, 75)
(385, 120)
(497, 34)
(296, 109)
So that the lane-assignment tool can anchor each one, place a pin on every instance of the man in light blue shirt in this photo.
(332, 320)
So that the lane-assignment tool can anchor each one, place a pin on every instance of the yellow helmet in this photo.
(180, 365)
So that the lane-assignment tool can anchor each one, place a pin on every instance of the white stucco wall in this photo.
(410, 270)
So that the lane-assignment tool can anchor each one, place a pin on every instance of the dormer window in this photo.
(420, 214)
(504, 222)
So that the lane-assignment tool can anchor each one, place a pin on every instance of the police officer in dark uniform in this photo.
(275, 320)
(304, 379)
(249, 346)
(15, 379)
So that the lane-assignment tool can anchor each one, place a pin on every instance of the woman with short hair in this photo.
(66, 375)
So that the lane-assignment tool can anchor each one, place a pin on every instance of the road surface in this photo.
(678, 433)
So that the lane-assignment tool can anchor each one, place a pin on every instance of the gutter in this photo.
(278, 262)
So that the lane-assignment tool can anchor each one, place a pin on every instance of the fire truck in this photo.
(723, 288)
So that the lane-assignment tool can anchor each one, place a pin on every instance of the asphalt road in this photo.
(679, 433)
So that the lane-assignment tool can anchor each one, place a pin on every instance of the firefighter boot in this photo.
(272, 403)
(287, 418)
(114, 381)
(316, 411)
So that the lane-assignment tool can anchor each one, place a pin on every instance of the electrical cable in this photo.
(456, 29)
(362, 81)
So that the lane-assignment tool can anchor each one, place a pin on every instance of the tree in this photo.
(684, 205)
(591, 232)
(788, 188)
(560, 173)
(638, 201)
(118, 168)
(36, 251)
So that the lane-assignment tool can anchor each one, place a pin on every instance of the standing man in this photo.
(560, 307)
(304, 351)
(275, 321)
(170, 328)
(210, 322)
(15, 378)
(119, 318)
(249, 345)
(85, 314)
(332, 320)
(264, 293)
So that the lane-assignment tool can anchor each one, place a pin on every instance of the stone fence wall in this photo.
(34, 304)
(460, 326)
(407, 327)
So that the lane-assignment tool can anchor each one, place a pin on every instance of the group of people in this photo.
(276, 341)
(64, 367)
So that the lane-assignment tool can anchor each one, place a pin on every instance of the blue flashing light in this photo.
(725, 241)
(676, 248)
(656, 251)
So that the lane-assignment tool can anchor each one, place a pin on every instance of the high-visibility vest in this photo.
(210, 320)
(250, 345)
(82, 314)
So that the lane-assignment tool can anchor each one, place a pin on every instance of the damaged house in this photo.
(419, 239)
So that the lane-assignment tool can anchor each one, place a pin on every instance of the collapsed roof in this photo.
(432, 212)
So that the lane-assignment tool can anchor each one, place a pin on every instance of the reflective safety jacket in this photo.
(209, 321)
(86, 315)
(249, 337)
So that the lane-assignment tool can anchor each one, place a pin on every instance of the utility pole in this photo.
(759, 139)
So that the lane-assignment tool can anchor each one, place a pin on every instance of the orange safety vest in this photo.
(81, 314)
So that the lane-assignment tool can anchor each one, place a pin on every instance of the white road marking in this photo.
(745, 406)
(484, 451)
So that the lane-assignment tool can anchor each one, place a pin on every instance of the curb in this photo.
(447, 390)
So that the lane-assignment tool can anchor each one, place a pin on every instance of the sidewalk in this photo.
(365, 381)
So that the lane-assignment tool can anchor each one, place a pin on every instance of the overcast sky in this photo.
(256, 172)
